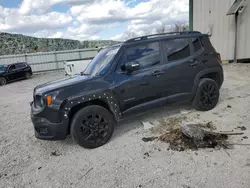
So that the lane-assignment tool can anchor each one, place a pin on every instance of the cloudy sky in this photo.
(89, 19)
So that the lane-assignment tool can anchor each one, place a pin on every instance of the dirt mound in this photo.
(182, 136)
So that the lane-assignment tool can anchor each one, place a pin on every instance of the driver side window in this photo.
(147, 55)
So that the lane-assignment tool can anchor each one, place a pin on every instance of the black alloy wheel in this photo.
(3, 81)
(92, 126)
(207, 95)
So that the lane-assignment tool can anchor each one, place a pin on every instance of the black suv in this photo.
(13, 72)
(126, 79)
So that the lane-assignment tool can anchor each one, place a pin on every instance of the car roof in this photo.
(163, 36)
(160, 36)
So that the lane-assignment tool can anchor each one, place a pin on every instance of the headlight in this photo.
(42, 101)
(39, 101)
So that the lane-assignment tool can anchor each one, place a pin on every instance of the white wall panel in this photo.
(212, 14)
(49, 60)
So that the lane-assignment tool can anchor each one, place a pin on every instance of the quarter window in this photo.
(147, 55)
(197, 44)
(177, 49)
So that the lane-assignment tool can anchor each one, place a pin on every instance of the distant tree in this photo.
(128, 35)
(179, 27)
(161, 29)
(36, 49)
(85, 44)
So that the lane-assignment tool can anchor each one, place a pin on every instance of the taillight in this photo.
(219, 57)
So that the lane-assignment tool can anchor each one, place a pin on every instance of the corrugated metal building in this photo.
(47, 61)
(219, 19)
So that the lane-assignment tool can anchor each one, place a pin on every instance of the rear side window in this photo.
(147, 55)
(177, 49)
(12, 67)
(197, 44)
(20, 65)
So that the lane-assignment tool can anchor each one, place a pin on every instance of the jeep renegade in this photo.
(126, 79)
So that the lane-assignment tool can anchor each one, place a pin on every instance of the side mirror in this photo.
(132, 66)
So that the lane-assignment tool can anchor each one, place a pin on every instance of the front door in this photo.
(12, 73)
(140, 86)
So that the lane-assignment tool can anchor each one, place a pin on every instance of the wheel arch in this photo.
(214, 73)
(105, 99)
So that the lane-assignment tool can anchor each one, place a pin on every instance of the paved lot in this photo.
(27, 162)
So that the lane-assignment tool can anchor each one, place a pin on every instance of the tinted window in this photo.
(146, 55)
(20, 65)
(3, 68)
(12, 67)
(177, 49)
(196, 44)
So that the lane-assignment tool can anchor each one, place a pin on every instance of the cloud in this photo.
(88, 19)
(42, 6)
(14, 22)
(117, 37)
(101, 12)
(151, 12)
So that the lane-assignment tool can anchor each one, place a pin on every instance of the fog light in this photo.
(43, 130)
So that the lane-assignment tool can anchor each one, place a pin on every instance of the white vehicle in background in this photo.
(76, 67)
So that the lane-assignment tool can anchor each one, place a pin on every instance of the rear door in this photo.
(181, 66)
(140, 86)
(21, 70)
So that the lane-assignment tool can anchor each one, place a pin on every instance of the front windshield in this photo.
(102, 60)
(3, 68)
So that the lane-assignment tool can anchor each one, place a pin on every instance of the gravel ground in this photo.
(126, 161)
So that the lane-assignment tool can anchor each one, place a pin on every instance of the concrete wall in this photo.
(47, 61)
(210, 16)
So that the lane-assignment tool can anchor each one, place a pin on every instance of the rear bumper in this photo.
(221, 77)
(47, 130)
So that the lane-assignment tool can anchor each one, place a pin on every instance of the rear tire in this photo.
(207, 95)
(3, 81)
(92, 126)
(27, 75)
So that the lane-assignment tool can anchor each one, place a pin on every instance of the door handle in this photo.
(144, 83)
(195, 64)
(204, 61)
(157, 73)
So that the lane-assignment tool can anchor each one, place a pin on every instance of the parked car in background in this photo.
(127, 79)
(13, 72)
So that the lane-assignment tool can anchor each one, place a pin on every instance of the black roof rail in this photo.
(160, 34)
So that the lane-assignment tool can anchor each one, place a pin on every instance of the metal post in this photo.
(236, 37)
(80, 56)
(191, 15)
(26, 59)
(57, 65)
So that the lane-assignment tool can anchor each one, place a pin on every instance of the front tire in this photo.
(92, 126)
(207, 95)
(3, 81)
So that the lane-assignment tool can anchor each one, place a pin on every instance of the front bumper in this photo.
(47, 130)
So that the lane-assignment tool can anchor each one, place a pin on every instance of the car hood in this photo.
(57, 84)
